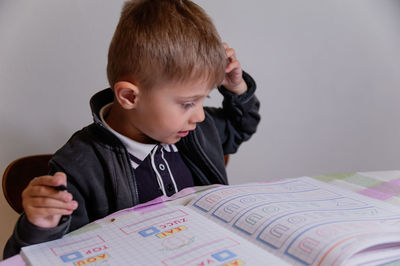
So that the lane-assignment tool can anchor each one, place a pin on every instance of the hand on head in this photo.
(43, 204)
(233, 78)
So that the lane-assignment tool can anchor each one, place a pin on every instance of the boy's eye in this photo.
(187, 105)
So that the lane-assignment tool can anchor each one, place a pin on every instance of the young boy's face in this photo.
(167, 114)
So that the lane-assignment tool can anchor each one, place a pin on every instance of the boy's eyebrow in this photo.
(195, 97)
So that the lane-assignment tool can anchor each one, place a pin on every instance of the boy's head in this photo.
(164, 59)
(165, 41)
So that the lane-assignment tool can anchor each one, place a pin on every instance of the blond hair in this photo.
(158, 41)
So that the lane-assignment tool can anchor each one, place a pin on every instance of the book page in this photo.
(163, 236)
(305, 221)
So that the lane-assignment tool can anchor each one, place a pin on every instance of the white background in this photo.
(328, 75)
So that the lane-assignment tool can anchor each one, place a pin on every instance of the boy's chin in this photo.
(172, 140)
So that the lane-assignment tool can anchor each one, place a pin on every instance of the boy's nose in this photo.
(198, 115)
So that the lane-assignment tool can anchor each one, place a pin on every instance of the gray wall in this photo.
(328, 74)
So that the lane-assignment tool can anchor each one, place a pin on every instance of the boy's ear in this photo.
(126, 94)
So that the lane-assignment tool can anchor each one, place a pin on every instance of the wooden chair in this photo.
(19, 173)
(226, 159)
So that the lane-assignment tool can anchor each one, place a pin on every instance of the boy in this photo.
(151, 135)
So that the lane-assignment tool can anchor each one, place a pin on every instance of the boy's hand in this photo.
(233, 78)
(43, 204)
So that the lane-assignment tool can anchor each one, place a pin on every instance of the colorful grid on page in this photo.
(383, 186)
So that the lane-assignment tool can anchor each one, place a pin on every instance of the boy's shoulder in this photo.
(86, 147)
(85, 138)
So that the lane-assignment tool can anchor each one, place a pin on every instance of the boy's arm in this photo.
(239, 116)
(27, 233)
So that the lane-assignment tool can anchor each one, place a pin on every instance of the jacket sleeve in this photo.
(239, 116)
(26, 233)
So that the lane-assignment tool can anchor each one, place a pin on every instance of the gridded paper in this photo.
(170, 236)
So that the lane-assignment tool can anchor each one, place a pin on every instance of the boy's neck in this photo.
(120, 120)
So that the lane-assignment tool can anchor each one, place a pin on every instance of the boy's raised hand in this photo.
(233, 78)
(43, 204)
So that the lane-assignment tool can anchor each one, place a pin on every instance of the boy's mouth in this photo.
(183, 133)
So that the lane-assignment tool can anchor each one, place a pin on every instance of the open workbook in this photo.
(297, 221)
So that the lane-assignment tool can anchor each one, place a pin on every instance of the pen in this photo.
(60, 188)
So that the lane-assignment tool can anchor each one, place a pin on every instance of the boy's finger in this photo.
(41, 212)
(49, 203)
(232, 65)
(230, 53)
(48, 192)
(48, 180)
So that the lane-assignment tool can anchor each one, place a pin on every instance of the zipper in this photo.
(132, 177)
(134, 191)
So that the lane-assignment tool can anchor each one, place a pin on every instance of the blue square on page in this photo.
(223, 255)
(149, 231)
(71, 256)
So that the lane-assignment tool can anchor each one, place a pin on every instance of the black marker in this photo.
(60, 188)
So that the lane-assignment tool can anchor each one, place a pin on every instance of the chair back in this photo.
(226, 159)
(19, 173)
